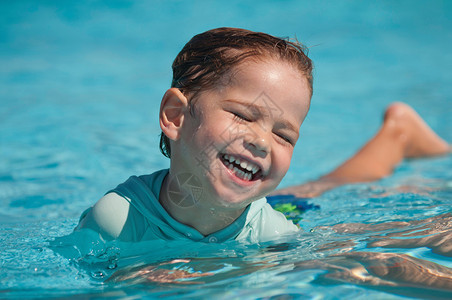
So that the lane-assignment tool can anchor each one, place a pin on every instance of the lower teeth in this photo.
(239, 173)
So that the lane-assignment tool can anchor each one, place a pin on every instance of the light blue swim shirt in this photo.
(148, 220)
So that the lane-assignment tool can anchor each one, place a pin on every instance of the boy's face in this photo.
(240, 137)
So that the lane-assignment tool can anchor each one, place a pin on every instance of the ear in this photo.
(172, 111)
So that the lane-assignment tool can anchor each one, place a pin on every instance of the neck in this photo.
(181, 203)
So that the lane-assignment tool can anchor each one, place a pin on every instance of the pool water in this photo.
(80, 86)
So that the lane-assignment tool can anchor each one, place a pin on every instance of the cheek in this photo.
(284, 157)
(208, 138)
(217, 128)
(209, 132)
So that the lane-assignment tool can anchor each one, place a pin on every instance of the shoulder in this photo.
(275, 222)
(264, 223)
(108, 216)
(119, 214)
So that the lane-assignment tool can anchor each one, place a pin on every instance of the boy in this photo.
(229, 124)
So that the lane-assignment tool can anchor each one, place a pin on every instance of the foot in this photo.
(418, 138)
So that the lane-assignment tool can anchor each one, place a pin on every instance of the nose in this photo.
(257, 141)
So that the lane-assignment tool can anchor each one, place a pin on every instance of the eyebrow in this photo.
(259, 109)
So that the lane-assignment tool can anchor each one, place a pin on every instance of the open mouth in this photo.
(244, 170)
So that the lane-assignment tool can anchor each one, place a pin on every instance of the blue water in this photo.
(80, 85)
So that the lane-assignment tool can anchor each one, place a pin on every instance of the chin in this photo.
(234, 199)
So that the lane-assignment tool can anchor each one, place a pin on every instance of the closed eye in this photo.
(285, 139)
(240, 117)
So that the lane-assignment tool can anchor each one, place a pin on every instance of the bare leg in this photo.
(403, 135)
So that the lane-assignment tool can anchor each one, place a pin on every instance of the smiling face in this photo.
(239, 138)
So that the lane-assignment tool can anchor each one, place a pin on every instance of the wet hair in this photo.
(210, 55)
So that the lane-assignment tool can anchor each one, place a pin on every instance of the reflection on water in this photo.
(391, 272)
(392, 269)
(380, 240)
(342, 258)
(434, 233)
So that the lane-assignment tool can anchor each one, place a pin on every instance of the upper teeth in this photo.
(245, 165)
